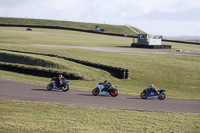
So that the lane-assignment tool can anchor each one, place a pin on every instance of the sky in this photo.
(157, 17)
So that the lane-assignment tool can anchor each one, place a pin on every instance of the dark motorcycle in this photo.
(55, 85)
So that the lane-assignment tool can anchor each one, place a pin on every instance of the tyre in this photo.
(114, 93)
(95, 91)
(144, 95)
(162, 96)
(50, 86)
(65, 88)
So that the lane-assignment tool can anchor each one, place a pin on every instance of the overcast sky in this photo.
(158, 17)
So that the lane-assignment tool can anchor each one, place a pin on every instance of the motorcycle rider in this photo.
(106, 85)
(156, 90)
(60, 79)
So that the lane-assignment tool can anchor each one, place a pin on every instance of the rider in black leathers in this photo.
(106, 85)
(61, 79)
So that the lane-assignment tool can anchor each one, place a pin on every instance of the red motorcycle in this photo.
(55, 84)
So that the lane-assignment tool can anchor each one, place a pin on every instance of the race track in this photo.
(13, 90)
(129, 50)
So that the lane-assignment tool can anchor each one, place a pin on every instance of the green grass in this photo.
(51, 63)
(59, 37)
(19, 116)
(184, 47)
(179, 75)
(11, 57)
(118, 29)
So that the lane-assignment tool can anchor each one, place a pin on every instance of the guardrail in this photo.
(177, 41)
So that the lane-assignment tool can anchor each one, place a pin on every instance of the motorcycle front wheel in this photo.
(65, 88)
(144, 95)
(162, 96)
(114, 93)
(50, 86)
(95, 91)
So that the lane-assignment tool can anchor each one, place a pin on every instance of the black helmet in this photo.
(105, 81)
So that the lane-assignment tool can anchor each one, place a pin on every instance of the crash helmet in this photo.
(151, 86)
(105, 82)
(60, 75)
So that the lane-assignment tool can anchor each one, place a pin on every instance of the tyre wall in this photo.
(36, 71)
(117, 72)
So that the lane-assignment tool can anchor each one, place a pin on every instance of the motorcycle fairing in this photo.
(100, 90)
(151, 93)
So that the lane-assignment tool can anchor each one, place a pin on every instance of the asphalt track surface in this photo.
(133, 50)
(12, 90)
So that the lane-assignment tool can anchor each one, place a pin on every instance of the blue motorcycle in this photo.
(150, 93)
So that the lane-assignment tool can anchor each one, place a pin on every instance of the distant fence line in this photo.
(117, 72)
(178, 41)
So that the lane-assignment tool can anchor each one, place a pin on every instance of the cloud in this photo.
(134, 12)
(182, 15)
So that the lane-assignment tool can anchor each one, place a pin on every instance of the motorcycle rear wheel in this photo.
(65, 88)
(95, 91)
(144, 95)
(50, 86)
(162, 96)
(114, 93)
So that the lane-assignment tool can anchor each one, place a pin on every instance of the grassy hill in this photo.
(116, 29)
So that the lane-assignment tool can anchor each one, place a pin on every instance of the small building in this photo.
(146, 41)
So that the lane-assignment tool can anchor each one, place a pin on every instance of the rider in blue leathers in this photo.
(156, 90)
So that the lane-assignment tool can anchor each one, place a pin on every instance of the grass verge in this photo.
(20, 116)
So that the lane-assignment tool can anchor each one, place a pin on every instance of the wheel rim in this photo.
(162, 96)
(65, 88)
(114, 92)
(95, 91)
(50, 86)
(144, 95)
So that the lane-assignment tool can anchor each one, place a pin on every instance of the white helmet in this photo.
(151, 86)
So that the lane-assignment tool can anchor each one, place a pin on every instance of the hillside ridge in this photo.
(114, 29)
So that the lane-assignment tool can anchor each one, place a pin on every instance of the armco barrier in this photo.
(37, 72)
(177, 41)
(120, 73)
